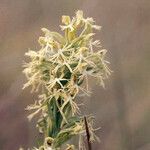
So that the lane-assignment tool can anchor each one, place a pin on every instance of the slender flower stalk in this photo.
(59, 71)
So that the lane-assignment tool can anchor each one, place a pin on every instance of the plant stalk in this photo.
(87, 134)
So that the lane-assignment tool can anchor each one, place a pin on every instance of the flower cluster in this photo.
(58, 71)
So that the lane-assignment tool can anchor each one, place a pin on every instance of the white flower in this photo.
(60, 70)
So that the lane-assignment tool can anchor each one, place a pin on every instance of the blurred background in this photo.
(122, 109)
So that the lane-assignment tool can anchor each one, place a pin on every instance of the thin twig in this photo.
(87, 134)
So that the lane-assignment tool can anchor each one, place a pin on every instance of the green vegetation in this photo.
(59, 71)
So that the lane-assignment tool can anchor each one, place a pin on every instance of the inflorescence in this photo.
(58, 72)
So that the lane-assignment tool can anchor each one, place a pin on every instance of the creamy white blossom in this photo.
(59, 71)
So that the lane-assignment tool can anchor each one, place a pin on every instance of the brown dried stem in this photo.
(87, 134)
